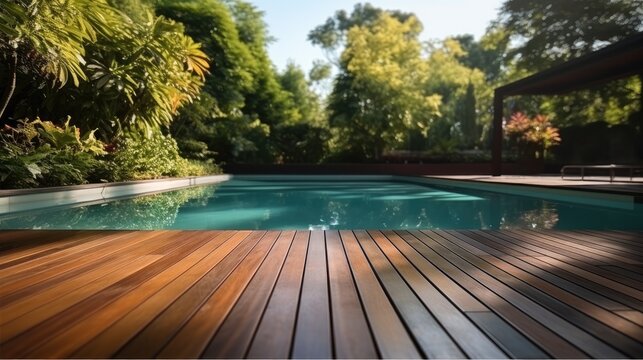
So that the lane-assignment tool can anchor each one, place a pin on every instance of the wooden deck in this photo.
(346, 294)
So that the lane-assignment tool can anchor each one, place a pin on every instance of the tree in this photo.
(550, 32)
(211, 23)
(466, 116)
(488, 54)
(243, 102)
(126, 75)
(265, 100)
(378, 94)
(451, 79)
(137, 80)
(332, 35)
(306, 102)
(547, 33)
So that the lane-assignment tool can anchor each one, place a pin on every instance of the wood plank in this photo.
(62, 253)
(193, 337)
(29, 247)
(391, 337)
(118, 334)
(632, 315)
(18, 348)
(603, 243)
(65, 343)
(637, 276)
(273, 339)
(351, 336)
(511, 341)
(592, 318)
(548, 273)
(233, 337)
(44, 276)
(527, 294)
(468, 337)
(149, 341)
(631, 238)
(430, 336)
(67, 293)
(313, 330)
(14, 242)
(546, 339)
(456, 293)
(28, 343)
(588, 261)
(582, 268)
(588, 251)
(545, 309)
(572, 273)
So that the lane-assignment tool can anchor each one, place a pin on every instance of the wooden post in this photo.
(496, 135)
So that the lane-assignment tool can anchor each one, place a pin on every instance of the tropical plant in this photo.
(38, 153)
(46, 39)
(139, 78)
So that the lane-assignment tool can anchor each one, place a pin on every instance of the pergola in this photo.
(619, 60)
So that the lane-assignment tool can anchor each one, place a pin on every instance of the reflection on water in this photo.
(158, 211)
(545, 217)
(331, 205)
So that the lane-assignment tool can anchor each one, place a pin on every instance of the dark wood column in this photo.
(496, 135)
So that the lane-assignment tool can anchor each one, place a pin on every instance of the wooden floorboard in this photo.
(321, 294)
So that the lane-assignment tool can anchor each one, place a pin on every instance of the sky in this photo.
(290, 21)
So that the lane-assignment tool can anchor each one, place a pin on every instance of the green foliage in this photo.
(139, 78)
(301, 143)
(320, 71)
(38, 153)
(332, 35)
(486, 55)
(154, 157)
(460, 87)
(379, 94)
(211, 23)
(244, 99)
(128, 75)
(136, 10)
(550, 32)
(544, 34)
(465, 114)
(305, 102)
(51, 35)
(241, 139)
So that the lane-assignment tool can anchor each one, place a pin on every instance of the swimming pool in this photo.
(315, 204)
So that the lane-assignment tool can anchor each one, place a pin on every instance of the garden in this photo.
(118, 90)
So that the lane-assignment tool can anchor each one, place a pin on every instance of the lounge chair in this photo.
(611, 168)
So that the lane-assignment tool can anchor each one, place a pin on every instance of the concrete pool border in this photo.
(12, 201)
(16, 201)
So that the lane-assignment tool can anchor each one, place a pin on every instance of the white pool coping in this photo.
(13, 201)
(34, 199)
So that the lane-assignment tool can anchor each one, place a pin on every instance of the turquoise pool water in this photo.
(242, 204)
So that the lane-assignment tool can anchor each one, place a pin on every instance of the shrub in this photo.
(158, 156)
(532, 136)
(39, 153)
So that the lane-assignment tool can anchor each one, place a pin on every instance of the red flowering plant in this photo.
(532, 136)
